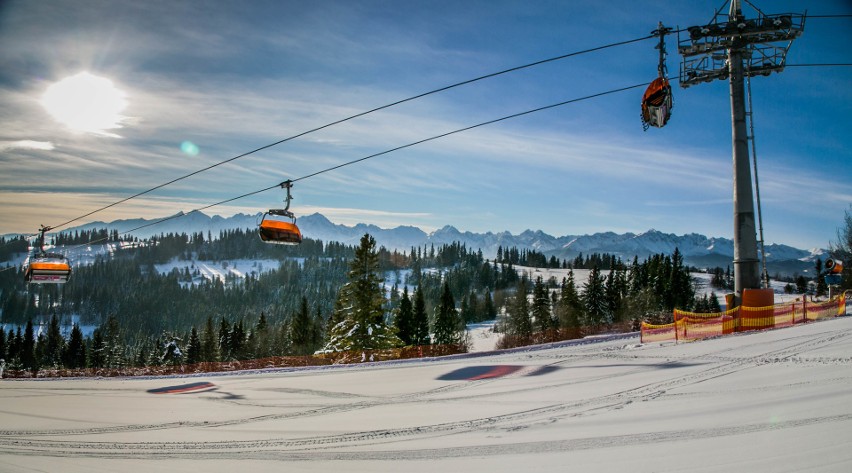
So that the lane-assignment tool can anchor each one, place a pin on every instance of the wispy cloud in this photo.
(26, 144)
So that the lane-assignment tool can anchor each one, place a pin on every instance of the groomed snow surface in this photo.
(771, 401)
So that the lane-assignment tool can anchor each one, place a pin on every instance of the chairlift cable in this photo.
(358, 115)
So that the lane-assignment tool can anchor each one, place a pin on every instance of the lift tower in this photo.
(732, 47)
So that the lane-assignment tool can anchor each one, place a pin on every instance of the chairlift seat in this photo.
(273, 229)
(657, 103)
(48, 269)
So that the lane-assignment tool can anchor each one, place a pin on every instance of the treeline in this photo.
(537, 259)
(145, 318)
(619, 299)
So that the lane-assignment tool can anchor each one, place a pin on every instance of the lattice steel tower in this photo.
(732, 47)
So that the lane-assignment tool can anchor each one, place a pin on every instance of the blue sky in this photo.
(230, 77)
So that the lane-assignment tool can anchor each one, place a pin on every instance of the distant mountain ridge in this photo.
(697, 249)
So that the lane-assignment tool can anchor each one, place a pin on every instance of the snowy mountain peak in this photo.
(697, 249)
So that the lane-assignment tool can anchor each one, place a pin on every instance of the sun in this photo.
(86, 103)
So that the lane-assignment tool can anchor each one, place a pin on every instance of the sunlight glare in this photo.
(86, 103)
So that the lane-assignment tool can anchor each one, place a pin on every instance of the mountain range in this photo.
(698, 250)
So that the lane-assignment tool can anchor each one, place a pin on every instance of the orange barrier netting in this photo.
(695, 326)
(656, 333)
(690, 326)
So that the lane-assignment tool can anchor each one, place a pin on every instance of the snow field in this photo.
(777, 400)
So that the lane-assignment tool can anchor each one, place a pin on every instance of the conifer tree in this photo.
(209, 342)
(594, 299)
(193, 348)
(301, 330)
(570, 308)
(490, 312)
(361, 304)
(404, 320)
(224, 340)
(28, 358)
(75, 351)
(54, 344)
(541, 309)
(520, 324)
(449, 327)
(420, 334)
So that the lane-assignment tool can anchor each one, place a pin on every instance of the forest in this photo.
(146, 317)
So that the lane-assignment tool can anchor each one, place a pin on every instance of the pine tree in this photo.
(420, 334)
(570, 308)
(594, 299)
(96, 350)
(113, 345)
(28, 358)
(404, 320)
(225, 340)
(193, 348)
(520, 324)
(541, 309)
(361, 304)
(449, 327)
(490, 310)
(209, 342)
(55, 344)
(75, 350)
(301, 330)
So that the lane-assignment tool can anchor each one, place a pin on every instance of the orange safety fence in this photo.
(690, 326)
(656, 333)
(695, 326)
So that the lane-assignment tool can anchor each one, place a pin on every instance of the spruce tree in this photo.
(209, 342)
(404, 320)
(28, 358)
(420, 334)
(224, 340)
(449, 327)
(520, 323)
(541, 309)
(570, 308)
(301, 330)
(594, 299)
(55, 344)
(193, 348)
(75, 351)
(361, 306)
(489, 309)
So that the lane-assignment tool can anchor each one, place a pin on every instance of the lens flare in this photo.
(189, 148)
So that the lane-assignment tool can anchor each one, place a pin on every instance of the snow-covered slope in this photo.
(773, 401)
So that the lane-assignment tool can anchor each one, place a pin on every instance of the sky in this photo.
(170, 88)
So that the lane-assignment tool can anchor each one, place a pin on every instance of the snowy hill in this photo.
(769, 401)
(698, 250)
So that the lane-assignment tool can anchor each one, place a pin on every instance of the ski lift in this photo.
(279, 225)
(657, 101)
(46, 268)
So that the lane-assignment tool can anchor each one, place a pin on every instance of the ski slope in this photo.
(772, 401)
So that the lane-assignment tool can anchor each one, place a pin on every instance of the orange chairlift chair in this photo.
(46, 268)
(657, 101)
(279, 225)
